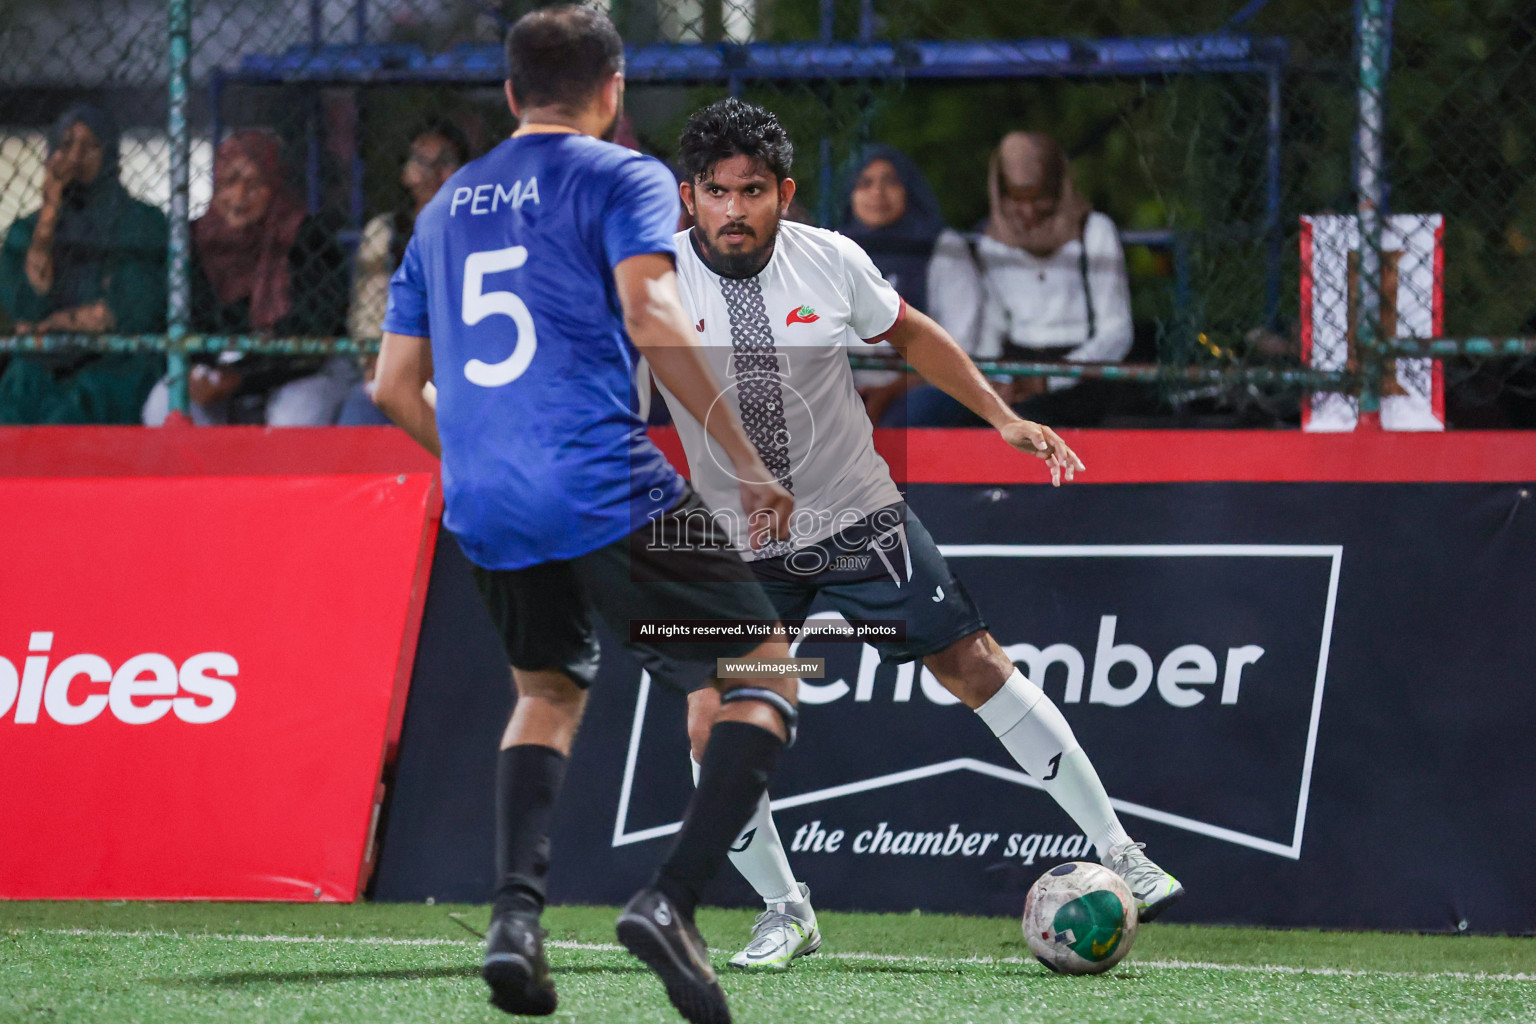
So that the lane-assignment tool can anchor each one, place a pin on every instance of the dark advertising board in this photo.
(1311, 701)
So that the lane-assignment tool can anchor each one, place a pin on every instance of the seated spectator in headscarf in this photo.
(893, 214)
(262, 265)
(92, 259)
(1054, 278)
(438, 149)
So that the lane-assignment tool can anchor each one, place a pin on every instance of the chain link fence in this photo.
(1223, 140)
(1461, 142)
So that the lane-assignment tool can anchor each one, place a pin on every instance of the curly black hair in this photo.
(732, 128)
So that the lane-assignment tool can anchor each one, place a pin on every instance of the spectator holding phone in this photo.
(90, 260)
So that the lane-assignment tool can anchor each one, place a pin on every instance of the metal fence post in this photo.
(826, 206)
(178, 285)
(1371, 190)
(1274, 239)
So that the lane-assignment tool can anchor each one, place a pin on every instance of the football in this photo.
(1079, 918)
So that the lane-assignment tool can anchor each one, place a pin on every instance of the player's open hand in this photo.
(768, 507)
(1044, 443)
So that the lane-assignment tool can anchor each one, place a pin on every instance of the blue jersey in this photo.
(510, 273)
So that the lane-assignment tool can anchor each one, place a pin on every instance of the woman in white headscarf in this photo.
(1052, 267)
(1049, 278)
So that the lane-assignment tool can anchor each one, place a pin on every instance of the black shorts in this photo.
(903, 577)
(678, 566)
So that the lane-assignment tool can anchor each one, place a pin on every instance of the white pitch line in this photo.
(609, 947)
(298, 940)
(1193, 965)
(1341, 972)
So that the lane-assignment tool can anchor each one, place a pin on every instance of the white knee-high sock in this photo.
(759, 855)
(1040, 740)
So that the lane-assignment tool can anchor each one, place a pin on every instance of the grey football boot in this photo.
(1154, 889)
(780, 934)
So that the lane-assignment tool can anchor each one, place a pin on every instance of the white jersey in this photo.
(778, 342)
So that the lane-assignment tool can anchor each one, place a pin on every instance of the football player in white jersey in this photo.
(777, 304)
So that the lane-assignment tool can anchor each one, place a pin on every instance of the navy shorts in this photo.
(681, 566)
(885, 567)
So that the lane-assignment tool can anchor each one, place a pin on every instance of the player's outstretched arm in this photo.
(930, 351)
(400, 382)
(654, 318)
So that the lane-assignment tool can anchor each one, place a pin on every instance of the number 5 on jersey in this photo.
(480, 304)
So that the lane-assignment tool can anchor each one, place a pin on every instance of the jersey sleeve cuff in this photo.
(418, 329)
(666, 249)
(901, 314)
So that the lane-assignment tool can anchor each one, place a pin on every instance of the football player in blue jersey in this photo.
(535, 281)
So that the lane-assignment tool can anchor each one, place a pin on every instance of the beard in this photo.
(742, 263)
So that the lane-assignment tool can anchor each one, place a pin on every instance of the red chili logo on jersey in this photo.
(699, 326)
(803, 315)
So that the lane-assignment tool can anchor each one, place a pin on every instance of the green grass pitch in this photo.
(380, 964)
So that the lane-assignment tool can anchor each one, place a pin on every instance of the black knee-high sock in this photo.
(528, 779)
(737, 763)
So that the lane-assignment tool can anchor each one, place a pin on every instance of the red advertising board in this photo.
(935, 456)
(204, 642)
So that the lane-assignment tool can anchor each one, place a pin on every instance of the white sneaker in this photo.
(780, 934)
(1154, 889)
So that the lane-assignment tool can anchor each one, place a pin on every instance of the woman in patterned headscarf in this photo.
(262, 265)
(246, 279)
(91, 259)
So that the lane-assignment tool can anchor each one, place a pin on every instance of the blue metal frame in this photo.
(735, 64)
(484, 63)
(1222, 52)
(1176, 244)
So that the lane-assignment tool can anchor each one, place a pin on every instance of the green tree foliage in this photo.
(1462, 142)
(1181, 152)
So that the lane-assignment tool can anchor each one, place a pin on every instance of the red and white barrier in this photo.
(1413, 289)
(205, 639)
